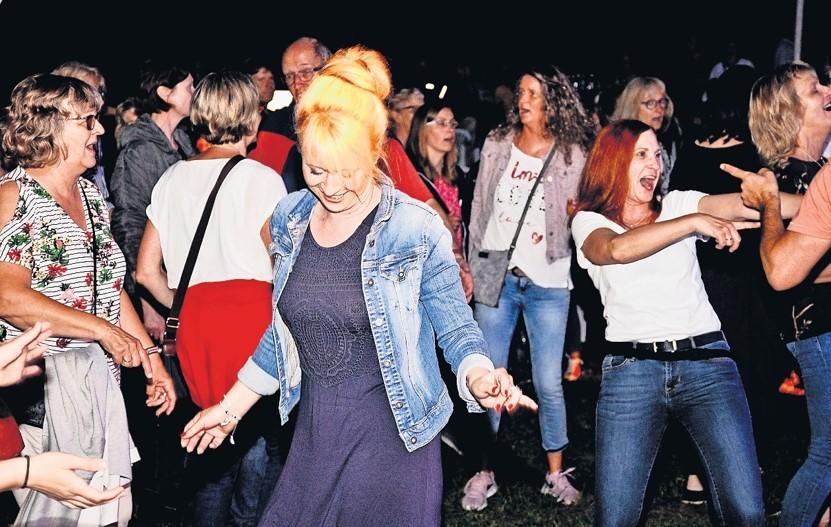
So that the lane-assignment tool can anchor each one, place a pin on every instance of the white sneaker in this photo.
(478, 489)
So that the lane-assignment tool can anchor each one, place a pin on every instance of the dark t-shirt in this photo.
(698, 169)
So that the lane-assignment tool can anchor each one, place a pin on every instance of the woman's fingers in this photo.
(736, 237)
(512, 401)
(31, 371)
(205, 442)
(742, 225)
(141, 355)
(194, 426)
(528, 403)
(192, 442)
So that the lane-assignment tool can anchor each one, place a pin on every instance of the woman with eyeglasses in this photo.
(431, 146)
(58, 260)
(547, 117)
(645, 99)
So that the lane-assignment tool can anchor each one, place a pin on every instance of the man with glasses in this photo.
(301, 60)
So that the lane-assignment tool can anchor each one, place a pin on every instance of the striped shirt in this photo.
(45, 240)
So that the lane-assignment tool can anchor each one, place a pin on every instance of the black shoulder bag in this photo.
(171, 324)
(489, 267)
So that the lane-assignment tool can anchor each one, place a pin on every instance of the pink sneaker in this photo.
(478, 489)
(559, 486)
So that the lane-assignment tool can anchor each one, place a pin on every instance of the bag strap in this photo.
(171, 324)
(545, 164)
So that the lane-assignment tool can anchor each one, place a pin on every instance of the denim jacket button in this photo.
(413, 440)
(387, 364)
(399, 404)
(378, 322)
(401, 276)
(370, 282)
(372, 243)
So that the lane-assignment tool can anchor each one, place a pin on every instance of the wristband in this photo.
(26, 477)
(229, 416)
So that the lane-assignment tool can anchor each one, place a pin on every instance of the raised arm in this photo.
(603, 246)
(788, 257)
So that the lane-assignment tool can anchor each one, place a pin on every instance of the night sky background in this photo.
(422, 40)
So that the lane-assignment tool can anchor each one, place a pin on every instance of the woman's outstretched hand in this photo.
(495, 389)
(205, 430)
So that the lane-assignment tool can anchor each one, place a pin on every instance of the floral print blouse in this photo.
(43, 238)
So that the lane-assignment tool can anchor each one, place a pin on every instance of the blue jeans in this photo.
(545, 311)
(234, 482)
(811, 485)
(637, 399)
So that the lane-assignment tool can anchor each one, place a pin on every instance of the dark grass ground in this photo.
(782, 442)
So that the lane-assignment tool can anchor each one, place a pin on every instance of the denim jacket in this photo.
(413, 294)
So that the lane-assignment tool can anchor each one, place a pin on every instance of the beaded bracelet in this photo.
(229, 416)
(26, 477)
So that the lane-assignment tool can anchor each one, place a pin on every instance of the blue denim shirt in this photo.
(413, 295)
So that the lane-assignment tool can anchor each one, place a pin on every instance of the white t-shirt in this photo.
(511, 195)
(232, 248)
(658, 298)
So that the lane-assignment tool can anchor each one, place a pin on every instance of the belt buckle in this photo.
(674, 346)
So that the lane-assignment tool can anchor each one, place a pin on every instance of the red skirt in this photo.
(221, 325)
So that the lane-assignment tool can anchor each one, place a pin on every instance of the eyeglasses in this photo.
(90, 120)
(663, 102)
(453, 123)
(304, 75)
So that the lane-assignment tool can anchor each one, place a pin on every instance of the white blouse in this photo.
(232, 248)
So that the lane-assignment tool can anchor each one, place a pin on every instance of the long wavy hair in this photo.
(605, 182)
(566, 119)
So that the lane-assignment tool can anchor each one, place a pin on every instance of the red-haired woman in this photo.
(667, 357)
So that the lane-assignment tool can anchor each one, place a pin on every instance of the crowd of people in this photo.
(345, 276)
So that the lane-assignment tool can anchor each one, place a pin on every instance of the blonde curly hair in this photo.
(40, 105)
